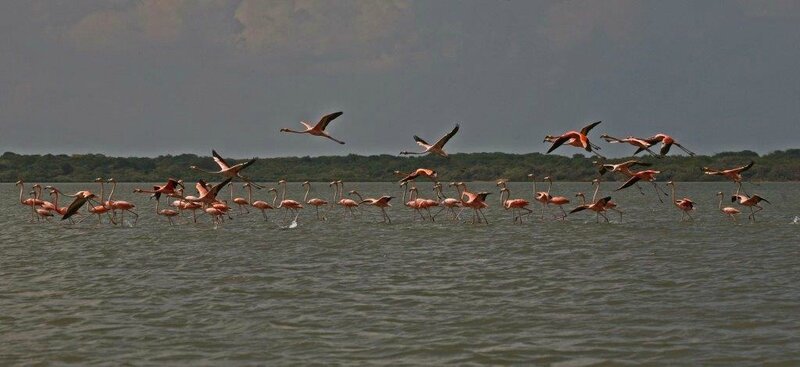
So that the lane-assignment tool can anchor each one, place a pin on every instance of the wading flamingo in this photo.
(514, 204)
(41, 213)
(541, 196)
(239, 201)
(575, 138)
(729, 211)
(207, 196)
(413, 202)
(261, 205)
(685, 205)
(751, 202)
(437, 148)
(121, 205)
(598, 207)
(226, 170)
(381, 202)
(315, 202)
(475, 201)
(449, 204)
(288, 204)
(556, 200)
(610, 204)
(167, 213)
(31, 201)
(348, 205)
(666, 143)
(319, 128)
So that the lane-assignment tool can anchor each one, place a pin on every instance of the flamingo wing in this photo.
(219, 186)
(580, 208)
(558, 142)
(589, 127)
(74, 207)
(421, 142)
(665, 148)
(440, 144)
(629, 183)
(747, 167)
(325, 120)
(220, 162)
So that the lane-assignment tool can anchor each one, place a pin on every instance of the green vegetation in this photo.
(776, 166)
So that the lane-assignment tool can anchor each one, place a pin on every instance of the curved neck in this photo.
(274, 198)
(549, 186)
(249, 194)
(55, 201)
(21, 189)
(335, 191)
(308, 189)
(594, 196)
(504, 194)
(439, 194)
(283, 192)
(113, 187)
(404, 194)
(413, 192)
(583, 199)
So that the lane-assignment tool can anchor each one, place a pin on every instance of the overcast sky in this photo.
(153, 77)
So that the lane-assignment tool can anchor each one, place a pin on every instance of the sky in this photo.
(154, 77)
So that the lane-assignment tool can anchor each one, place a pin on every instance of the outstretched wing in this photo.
(244, 165)
(629, 183)
(440, 144)
(325, 120)
(558, 142)
(74, 207)
(604, 200)
(421, 142)
(589, 127)
(410, 176)
(747, 167)
(220, 162)
(215, 190)
(665, 149)
(580, 208)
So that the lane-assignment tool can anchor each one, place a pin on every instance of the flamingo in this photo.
(79, 201)
(54, 192)
(685, 205)
(437, 148)
(207, 196)
(168, 189)
(610, 204)
(319, 128)
(412, 203)
(240, 201)
(598, 206)
(540, 196)
(41, 213)
(751, 202)
(420, 172)
(641, 144)
(168, 213)
(647, 175)
(381, 202)
(38, 199)
(288, 204)
(514, 204)
(556, 200)
(121, 205)
(226, 170)
(261, 205)
(31, 202)
(475, 201)
(666, 143)
(733, 174)
(575, 138)
(348, 205)
(315, 202)
(446, 203)
(729, 211)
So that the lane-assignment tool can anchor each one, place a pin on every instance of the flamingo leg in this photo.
(658, 194)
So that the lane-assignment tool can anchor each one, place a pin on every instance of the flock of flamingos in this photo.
(208, 199)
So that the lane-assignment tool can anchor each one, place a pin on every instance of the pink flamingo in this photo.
(610, 204)
(381, 202)
(685, 205)
(514, 204)
(121, 205)
(729, 211)
(261, 205)
(733, 174)
(420, 172)
(449, 204)
(556, 200)
(575, 138)
(239, 201)
(666, 143)
(437, 148)
(288, 204)
(598, 207)
(229, 171)
(647, 175)
(168, 213)
(751, 202)
(169, 189)
(476, 202)
(315, 202)
(41, 212)
(31, 202)
(348, 205)
(319, 128)
(641, 144)
(542, 197)
(413, 202)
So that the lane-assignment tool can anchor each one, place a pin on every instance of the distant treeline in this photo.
(776, 166)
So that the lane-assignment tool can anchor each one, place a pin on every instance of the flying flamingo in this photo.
(437, 148)
(541, 196)
(729, 211)
(315, 202)
(446, 203)
(598, 207)
(261, 205)
(733, 174)
(639, 143)
(319, 128)
(648, 175)
(575, 138)
(381, 202)
(624, 168)
(420, 172)
(514, 204)
(666, 143)
(206, 196)
(226, 170)
(685, 205)
(121, 205)
(288, 204)
(348, 205)
(169, 189)
(750, 201)
(556, 200)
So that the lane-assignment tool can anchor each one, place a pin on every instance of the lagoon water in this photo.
(647, 290)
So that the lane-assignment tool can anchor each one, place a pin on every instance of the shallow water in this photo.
(648, 290)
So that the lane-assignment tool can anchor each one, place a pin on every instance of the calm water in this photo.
(648, 290)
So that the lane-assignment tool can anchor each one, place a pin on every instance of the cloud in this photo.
(574, 22)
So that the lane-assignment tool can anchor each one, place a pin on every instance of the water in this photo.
(649, 290)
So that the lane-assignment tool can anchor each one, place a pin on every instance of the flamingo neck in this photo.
(250, 194)
(113, 187)
(56, 199)
(503, 195)
(308, 189)
(720, 201)
(283, 193)
(673, 196)
(583, 199)
(549, 186)
(596, 190)
(21, 189)
(274, 198)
